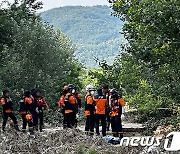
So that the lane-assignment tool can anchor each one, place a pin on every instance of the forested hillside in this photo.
(94, 31)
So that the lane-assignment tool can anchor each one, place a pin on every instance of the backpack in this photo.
(68, 105)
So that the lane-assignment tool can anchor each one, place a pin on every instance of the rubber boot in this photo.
(16, 127)
(40, 128)
(91, 133)
(87, 132)
(75, 125)
(35, 128)
(3, 128)
(64, 126)
(115, 134)
(69, 126)
(97, 134)
(120, 135)
(103, 134)
(107, 126)
(43, 126)
(31, 131)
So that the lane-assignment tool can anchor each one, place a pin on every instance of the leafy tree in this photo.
(37, 55)
(147, 70)
(152, 30)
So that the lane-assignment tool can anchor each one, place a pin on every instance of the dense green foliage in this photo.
(33, 55)
(148, 69)
(92, 29)
(146, 72)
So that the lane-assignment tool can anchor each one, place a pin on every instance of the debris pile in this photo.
(161, 131)
(58, 141)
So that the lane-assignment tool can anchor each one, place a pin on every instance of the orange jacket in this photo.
(27, 105)
(116, 107)
(7, 104)
(89, 105)
(78, 97)
(3, 101)
(28, 100)
(61, 101)
(72, 100)
(40, 102)
(101, 104)
(121, 101)
(69, 100)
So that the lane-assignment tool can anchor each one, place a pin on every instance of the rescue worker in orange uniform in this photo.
(101, 103)
(78, 97)
(27, 108)
(41, 105)
(78, 105)
(7, 105)
(89, 110)
(70, 107)
(61, 105)
(107, 94)
(34, 114)
(116, 105)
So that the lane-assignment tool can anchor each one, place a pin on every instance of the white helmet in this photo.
(90, 88)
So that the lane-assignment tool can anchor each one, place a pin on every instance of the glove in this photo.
(123, 110)
(37, 111)
(77, 116)
(60, 110)
(122, 117)
(79, 110)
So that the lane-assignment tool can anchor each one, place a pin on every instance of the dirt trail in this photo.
(129, 128)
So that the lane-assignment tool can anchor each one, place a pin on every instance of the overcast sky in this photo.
(49, 4)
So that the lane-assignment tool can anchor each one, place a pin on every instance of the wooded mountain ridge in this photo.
(93, 30)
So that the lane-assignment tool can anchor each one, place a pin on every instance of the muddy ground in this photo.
(58, 141)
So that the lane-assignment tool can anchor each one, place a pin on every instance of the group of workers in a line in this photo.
(31, 109)
(105, 107)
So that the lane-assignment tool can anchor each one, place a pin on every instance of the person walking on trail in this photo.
(70, 107)
(100, 111)
(7, 106)
(27, 110)
(41, 105)
(89, 110)
(61, 105)
(106, 93)
(116, 105)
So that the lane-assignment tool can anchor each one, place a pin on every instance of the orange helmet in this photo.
(28, 117)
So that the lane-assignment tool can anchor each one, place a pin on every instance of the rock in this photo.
(161, 131)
